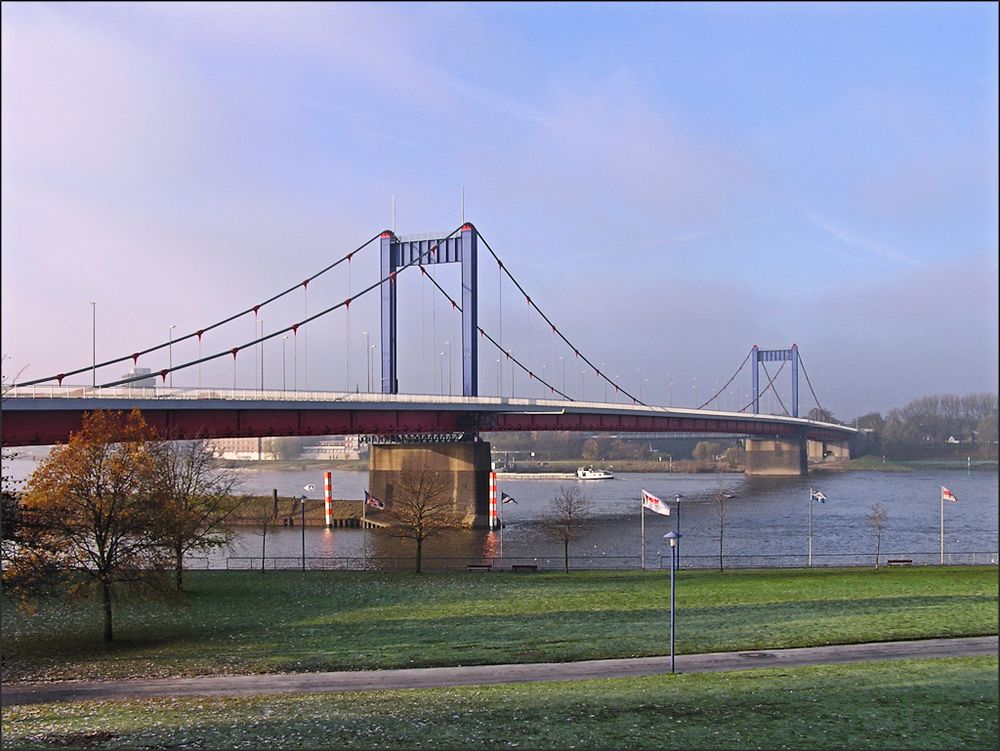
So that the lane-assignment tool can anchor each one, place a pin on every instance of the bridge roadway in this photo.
(44, 415)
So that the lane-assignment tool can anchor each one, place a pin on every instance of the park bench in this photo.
(479, 566)
(524, 567)
(900, 562)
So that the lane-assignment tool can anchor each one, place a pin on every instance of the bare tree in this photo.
(876, 521)
(720, 498)
(200, 501)
(566, 518)
(262, 513)
(421, 507)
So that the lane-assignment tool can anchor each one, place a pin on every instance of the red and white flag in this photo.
(947, 495)
(653, 503)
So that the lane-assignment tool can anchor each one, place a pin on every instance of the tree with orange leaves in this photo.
(93, 515)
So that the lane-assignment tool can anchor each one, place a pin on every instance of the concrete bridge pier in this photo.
(825, 451)
(776, 457)
(464, 466)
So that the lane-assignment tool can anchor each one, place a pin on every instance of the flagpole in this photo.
(501, 532)
(810, 526)
(642, 535)
(942, 528)
(364, 535)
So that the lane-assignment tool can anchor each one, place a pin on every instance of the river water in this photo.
(767, 517)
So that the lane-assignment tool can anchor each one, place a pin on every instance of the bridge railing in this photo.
(591, 563)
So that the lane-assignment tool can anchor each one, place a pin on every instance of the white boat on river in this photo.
(589, 473)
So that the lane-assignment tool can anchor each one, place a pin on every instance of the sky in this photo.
(671, 183)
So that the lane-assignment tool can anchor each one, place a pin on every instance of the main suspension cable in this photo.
(494, 342)
(391, 278)
(770, 384)
(553, 326)
(253, 309)
(811, 391)
(738, 370)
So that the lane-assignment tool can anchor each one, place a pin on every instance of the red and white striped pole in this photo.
(493, 500)
(328, 498)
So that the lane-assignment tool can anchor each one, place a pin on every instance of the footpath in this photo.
(370, 680)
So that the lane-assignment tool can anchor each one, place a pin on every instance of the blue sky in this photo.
(673, 184)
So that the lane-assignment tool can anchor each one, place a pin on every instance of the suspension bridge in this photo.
(440, 429)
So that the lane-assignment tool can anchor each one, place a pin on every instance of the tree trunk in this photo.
(878, 549)
(419, 552)
(179, 565)
(721, 528)
(565, 556)
(263, 549)
(106, 600)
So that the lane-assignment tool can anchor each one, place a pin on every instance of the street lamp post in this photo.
(499, 386)
(371, 355)
(170, 353)
(368, 360)
(563, 361)
(677, 541)
(302, 509)
(448, 345)
(93, 341)
(284, 383)
(674, 539)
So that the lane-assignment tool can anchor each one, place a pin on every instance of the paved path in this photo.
(364, 680)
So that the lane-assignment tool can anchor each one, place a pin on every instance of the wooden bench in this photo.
(479, 566)
(524, 567)
(900, 562)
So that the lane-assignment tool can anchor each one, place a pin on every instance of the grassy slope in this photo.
(292, 621)
(922, 704)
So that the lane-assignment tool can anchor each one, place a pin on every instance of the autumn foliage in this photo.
(94, 517)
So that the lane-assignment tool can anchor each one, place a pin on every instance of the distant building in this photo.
(146, 382)
(241, 449)
(335, 447)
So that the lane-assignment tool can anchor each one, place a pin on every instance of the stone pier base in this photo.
(776, 457)
(466, 467)
(825, 451)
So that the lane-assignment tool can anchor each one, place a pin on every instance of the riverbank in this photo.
(565, 467)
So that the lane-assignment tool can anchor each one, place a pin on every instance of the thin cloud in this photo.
(861, 243)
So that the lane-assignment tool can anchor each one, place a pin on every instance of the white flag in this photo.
(653, 503)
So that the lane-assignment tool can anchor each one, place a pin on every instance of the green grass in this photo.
(247, 622)
(877, 464)
(907, 704)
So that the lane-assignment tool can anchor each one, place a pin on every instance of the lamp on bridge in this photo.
(673, 538)
(170, 352)
(284, 383)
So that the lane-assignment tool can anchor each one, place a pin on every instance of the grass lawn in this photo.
(920, 704)
(246, 622)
